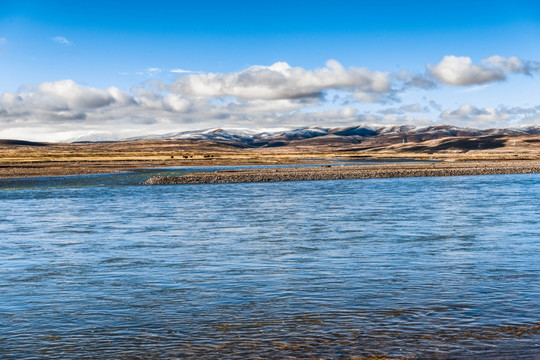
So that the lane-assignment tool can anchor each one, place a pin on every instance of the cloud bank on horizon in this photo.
(274, 96)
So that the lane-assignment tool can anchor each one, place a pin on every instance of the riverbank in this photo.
(331, 172)
(23, 159)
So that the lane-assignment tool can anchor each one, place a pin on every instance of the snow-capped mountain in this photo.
(384, 135)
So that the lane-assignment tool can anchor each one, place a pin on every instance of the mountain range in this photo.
(360, 136)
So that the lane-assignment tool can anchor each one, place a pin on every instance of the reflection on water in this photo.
(100, 267)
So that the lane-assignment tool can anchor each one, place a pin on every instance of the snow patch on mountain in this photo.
(255, 138)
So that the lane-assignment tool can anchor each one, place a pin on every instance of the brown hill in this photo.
(25, 158)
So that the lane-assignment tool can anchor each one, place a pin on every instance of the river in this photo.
(98, 266)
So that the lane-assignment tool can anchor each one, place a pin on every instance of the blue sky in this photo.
(105, 69)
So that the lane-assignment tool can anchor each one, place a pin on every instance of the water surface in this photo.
(100, 267)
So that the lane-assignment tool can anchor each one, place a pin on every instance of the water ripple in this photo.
(416, 268)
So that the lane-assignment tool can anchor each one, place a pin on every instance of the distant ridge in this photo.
(371, 135)
(7, 142)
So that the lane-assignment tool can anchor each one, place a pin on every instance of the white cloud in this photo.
(261, 106)
(513, 64)
(476, 88)
(61, 40)
(60, 102)
(120, 97)
(464, 111)
(460, 71)
(68, 93)
(411, 108)
(490, 117)
(175, 103)
(183, 71)
(281, 81)
(258, 97)
(66, 110)
(153, 70)
(9, 100)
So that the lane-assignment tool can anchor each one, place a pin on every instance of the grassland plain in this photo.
(29, 159)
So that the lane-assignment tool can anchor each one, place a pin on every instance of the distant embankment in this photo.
(351, 172)
(8, 142)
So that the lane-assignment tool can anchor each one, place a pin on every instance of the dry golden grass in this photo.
(19, 160)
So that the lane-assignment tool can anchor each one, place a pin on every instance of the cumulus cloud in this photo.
(175, 103)
(464, 111)
(257, 97)
(483, 117)
(513, 64)
(70, 94)
(120, 97)
(9, 100)
(61, 40)
(460, 71)
(281, 81)
(59, 102)
(66, 110)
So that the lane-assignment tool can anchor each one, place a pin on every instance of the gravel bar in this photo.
(351, 172)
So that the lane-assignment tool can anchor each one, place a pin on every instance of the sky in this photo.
(107, 70)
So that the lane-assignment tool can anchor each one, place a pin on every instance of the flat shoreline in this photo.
(333, 172)
(63, 168)
(22, 159)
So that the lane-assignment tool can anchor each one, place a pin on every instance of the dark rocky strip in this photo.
(351, 172)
